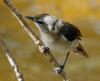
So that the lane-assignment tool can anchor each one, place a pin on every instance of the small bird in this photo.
(60, 36)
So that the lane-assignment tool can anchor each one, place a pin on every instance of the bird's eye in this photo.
(40, 22)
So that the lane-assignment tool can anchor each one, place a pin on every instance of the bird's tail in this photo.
(81, 51)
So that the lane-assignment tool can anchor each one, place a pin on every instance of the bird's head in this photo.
(45, 22)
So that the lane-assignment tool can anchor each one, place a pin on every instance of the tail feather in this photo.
(81, 51)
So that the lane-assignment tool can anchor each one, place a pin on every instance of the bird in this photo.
(59, 35)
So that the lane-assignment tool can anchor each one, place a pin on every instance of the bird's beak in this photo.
(31, 18)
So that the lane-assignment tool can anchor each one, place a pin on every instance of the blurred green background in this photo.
(85, 14)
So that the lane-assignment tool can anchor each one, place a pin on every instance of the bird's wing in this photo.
(81, 51)
(70, 32)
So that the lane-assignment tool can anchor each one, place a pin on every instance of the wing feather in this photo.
(70, 32)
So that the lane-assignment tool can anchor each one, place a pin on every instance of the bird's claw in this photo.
(59, 69)
(46, 49)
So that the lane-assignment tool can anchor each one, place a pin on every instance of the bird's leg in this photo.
(61, 67)
(66, 59)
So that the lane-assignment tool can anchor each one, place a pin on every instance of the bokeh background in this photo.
(85, 14)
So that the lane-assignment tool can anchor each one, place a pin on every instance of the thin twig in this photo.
(11, 61)
(34, 37)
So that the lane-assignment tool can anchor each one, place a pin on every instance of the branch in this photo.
(34, 37)
(11, 61)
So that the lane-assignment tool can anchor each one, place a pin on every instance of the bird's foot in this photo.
(59, 69)
(46, 50)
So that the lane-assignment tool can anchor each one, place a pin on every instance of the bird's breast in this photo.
(58, 43)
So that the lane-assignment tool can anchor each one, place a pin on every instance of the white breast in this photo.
(58, 45)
